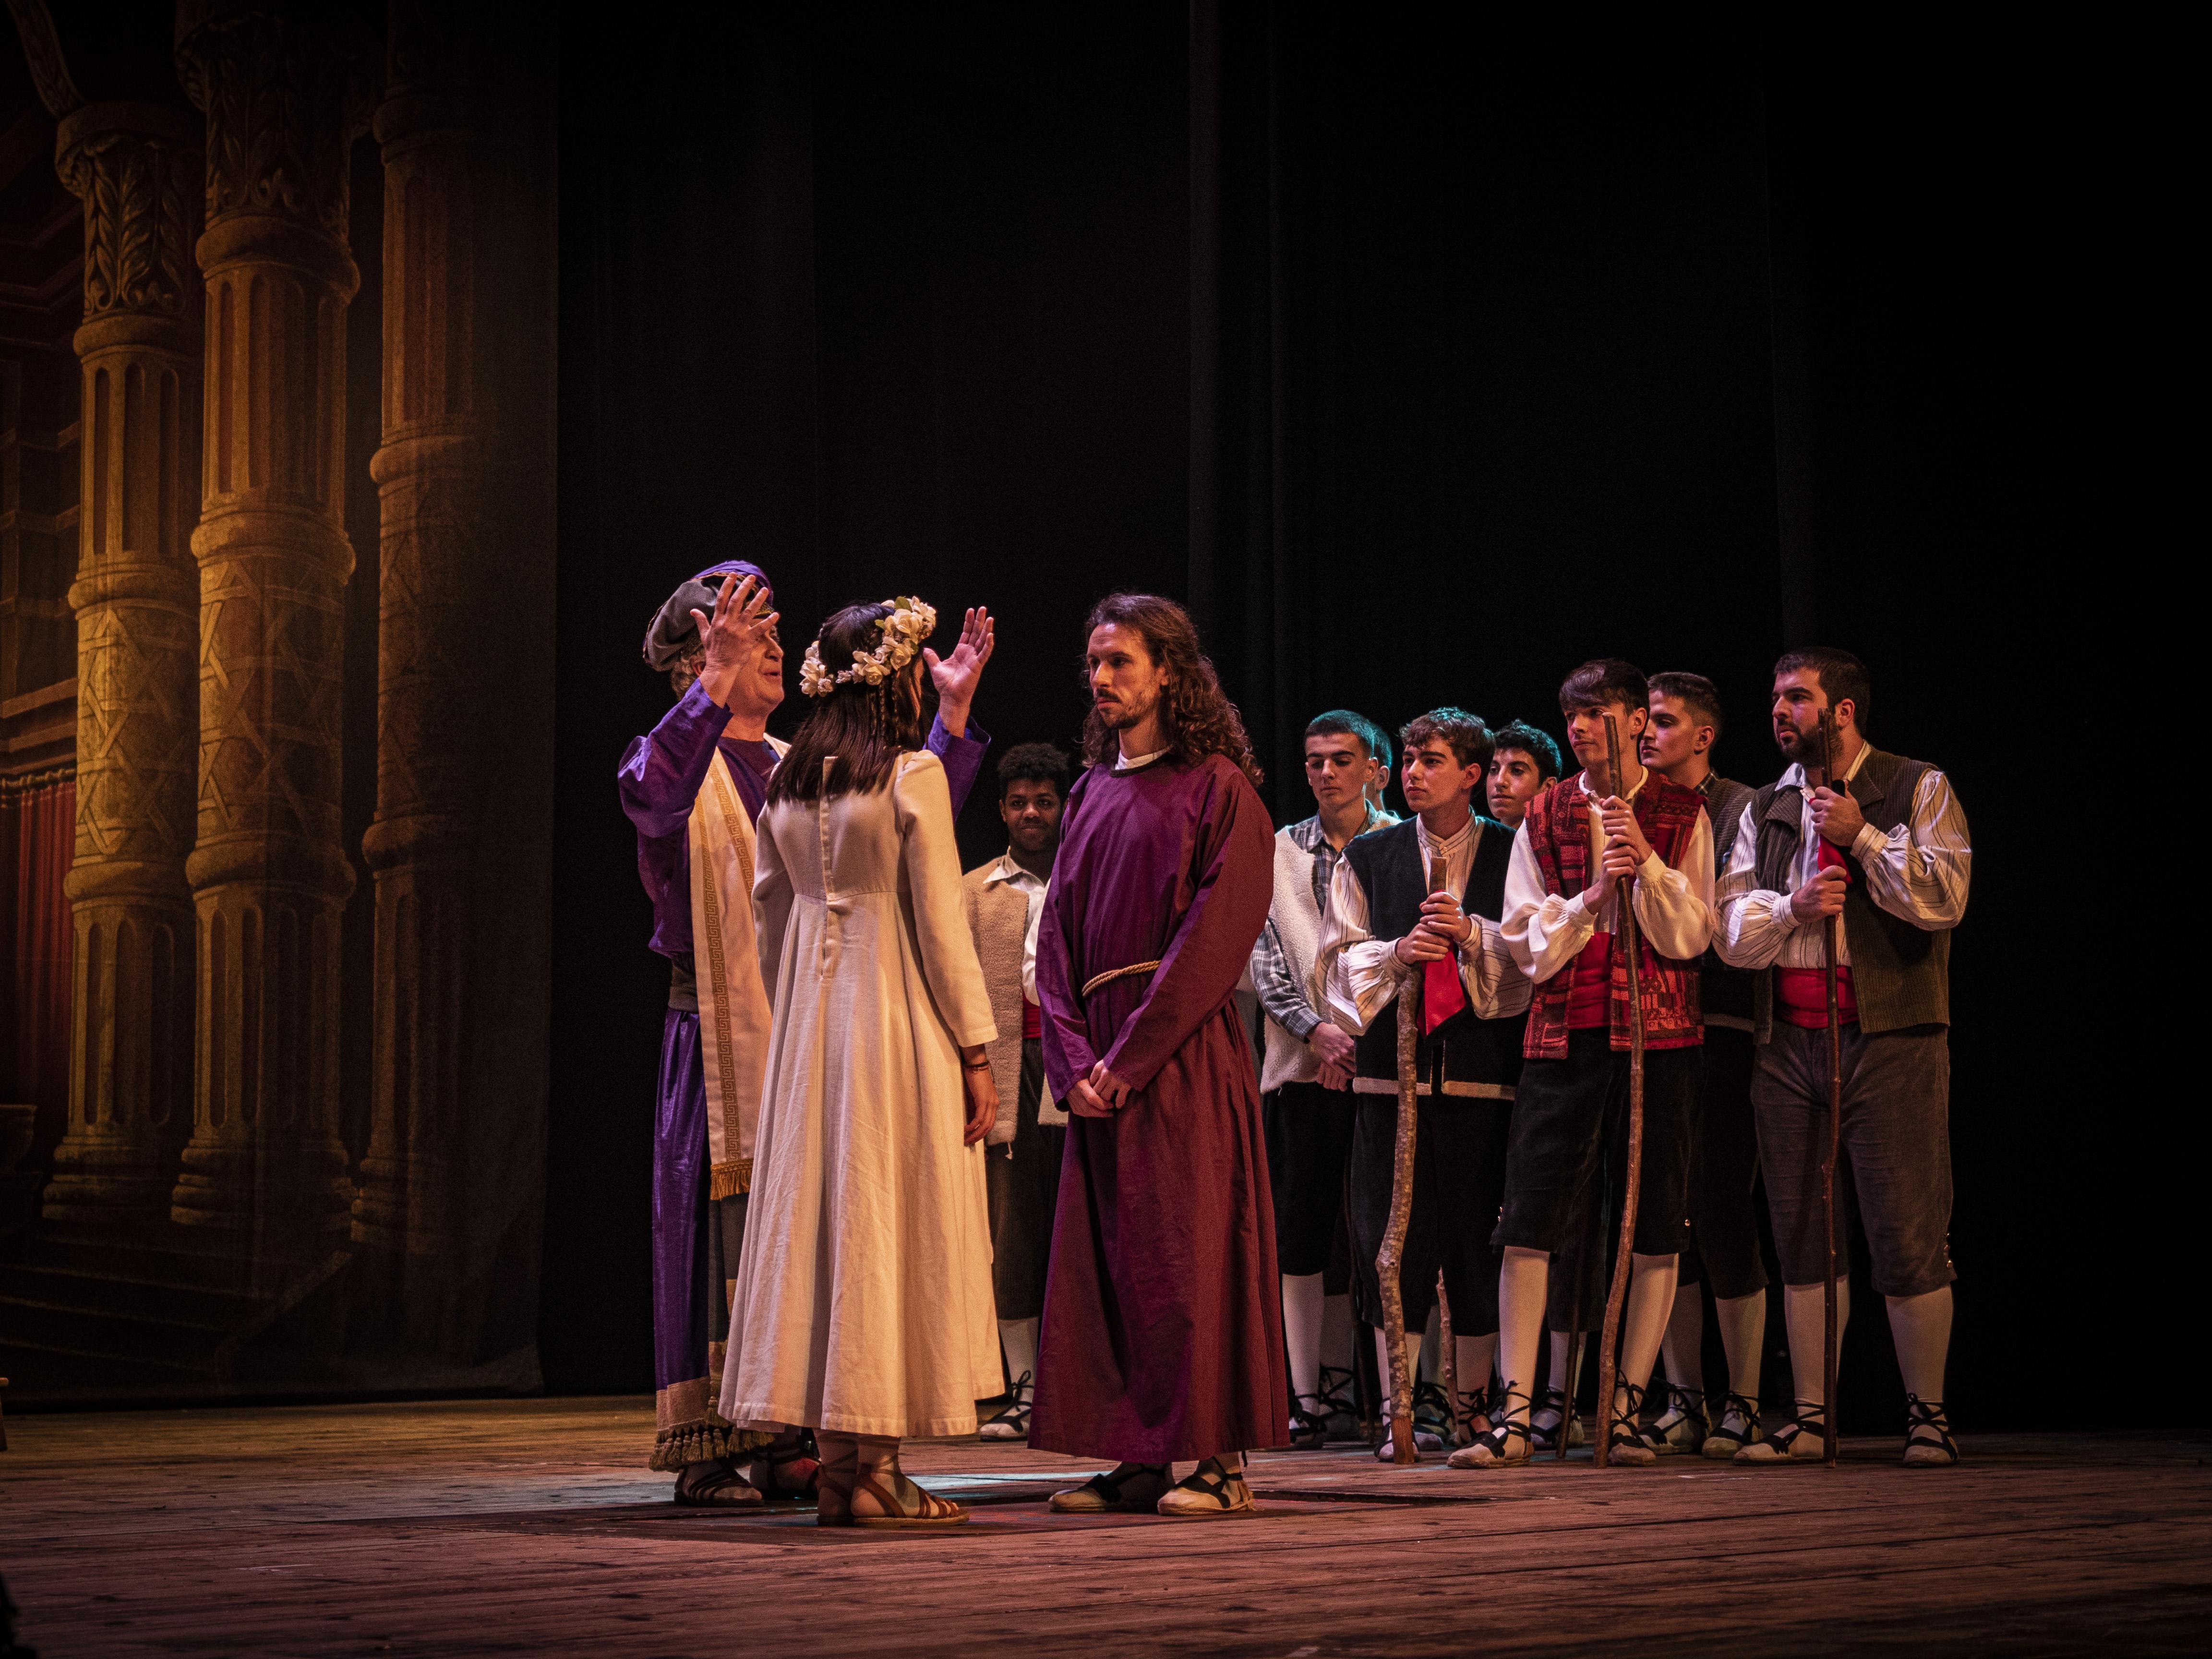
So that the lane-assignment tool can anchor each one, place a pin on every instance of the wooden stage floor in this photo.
(530, 1527)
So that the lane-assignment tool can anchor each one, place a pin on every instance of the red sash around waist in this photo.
(1032, 1022)
(1801, 997)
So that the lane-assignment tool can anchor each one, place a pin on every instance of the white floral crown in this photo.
(911, 622)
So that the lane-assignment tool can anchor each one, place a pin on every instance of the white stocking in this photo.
(1743, 1320)
(1472, 1358)
(1921, 1327)
(1301, 1320)
(1683, 1345)
(1804, 1312)
(1382, 1363)
(1523, 1278)
(1018, 1337)
(1651, 1301)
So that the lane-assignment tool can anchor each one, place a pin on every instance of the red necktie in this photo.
(1442, 994)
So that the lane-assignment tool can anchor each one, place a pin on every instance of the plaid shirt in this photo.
(1280, 994)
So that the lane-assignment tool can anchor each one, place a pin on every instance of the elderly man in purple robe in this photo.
(693, 787)
(1162, 1336)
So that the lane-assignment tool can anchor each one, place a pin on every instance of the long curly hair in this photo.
(1195, 714)
(861, 728)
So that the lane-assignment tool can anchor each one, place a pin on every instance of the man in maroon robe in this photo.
(1162, 1336)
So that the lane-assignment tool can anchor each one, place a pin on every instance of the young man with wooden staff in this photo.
(1889, 852)
(1414, 921)
(1585, 838)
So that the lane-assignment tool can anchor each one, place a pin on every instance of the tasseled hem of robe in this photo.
(730, 1180)
(688, 1430)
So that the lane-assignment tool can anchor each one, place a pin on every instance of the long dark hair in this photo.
(861, 728)
(1195, 714)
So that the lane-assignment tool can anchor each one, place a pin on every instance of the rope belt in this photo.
(1377, 1085)
(1097, 979)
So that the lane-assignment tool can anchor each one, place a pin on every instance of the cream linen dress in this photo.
(863, 1300)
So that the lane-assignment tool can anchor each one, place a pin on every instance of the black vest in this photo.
(1901, 973)
(1722, 990)
(1390, 868)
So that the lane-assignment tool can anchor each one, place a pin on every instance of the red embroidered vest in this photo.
(1558, 828)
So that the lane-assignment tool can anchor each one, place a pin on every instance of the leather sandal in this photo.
(1139, 1486)
(716, 1483)
(1208, 1492)
(834, 1478)
(903, 1503)
(1928, 1442)
(1507, 1443)
(787, 1470)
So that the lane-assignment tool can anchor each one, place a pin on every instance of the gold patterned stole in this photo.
(734, 1008)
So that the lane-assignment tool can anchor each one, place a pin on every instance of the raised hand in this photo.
(735, 636)
(957, 675)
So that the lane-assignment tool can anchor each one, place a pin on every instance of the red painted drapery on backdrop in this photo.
(38, 837)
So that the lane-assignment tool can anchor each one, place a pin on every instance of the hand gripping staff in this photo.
(1623, 938)
(1387, 1260)
(1831, 935)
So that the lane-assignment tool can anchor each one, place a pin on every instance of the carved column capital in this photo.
(286, 88)
(137, 168)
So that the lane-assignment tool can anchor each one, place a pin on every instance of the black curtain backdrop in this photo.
(1424, 356)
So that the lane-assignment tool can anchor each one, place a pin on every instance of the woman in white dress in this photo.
(863, 1307)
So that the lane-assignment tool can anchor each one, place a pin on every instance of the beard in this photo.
(1121, 716)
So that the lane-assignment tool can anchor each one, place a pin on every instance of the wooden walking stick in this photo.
(1831, 1438)
(1387, 1260)
(1616, 1294)
(1448, 1355)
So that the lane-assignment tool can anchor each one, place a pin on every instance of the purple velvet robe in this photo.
(1162, 1315)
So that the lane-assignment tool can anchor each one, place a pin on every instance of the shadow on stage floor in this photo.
(495, 1527)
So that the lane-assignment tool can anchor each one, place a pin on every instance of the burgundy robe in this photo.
(1163, 1313)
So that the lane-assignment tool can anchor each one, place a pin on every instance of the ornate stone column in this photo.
(449, 1188)
(285, 90)
(138, 169)
(439, 538)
